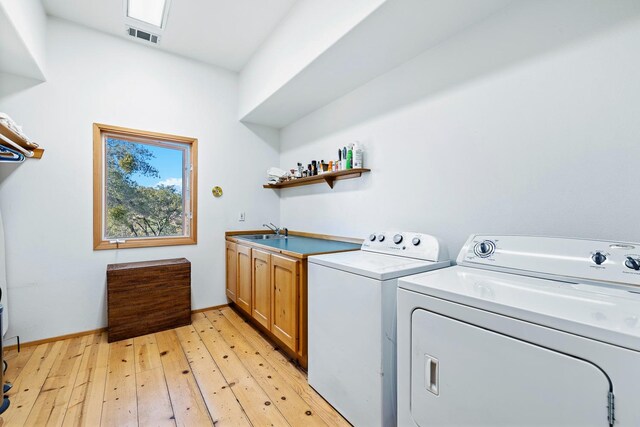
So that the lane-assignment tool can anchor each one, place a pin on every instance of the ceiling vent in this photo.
(143, 35)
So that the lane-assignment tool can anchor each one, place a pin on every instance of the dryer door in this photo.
(463, 375)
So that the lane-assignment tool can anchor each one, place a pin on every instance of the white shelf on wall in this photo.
(15, 56)
(389, 36)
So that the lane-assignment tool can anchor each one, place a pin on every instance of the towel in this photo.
(275, 175)
(9, 123)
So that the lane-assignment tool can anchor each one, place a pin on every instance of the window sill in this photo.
(145, 243)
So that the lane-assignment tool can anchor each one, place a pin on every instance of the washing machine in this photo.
(523, 331)
(351, 321)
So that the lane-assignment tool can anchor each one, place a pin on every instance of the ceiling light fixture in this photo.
(152, 12)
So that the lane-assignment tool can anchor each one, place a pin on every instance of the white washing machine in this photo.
(524, 331)
(352, 329)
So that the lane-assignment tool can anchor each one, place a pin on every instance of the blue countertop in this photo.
(303, 245)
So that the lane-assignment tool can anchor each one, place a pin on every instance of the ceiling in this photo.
(219, 32)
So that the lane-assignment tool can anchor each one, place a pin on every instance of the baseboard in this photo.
(52, 339)
(215, 307)
(93, 331)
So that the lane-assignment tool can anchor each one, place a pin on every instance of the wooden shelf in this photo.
(328, 177)
(37, 152)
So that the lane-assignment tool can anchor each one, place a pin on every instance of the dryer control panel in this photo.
(573, 260)
(407, 244)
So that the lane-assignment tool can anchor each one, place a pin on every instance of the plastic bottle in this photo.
(350, 157)
(344, 159)
(358, 156)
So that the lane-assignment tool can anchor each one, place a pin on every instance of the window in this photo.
(144, 190)
(149, 11)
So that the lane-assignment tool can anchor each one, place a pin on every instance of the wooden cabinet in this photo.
(267, 287)
(284, 299)
(261, 287)
(243, 278)
(270, 287)
(232, 270)
(147, 297)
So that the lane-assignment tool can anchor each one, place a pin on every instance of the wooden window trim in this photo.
(98, 203)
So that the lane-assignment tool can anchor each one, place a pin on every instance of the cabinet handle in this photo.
(431, 374)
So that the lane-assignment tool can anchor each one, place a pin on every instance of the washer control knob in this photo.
(372, 237)
(484, 249)
(599, 258)
(632, 263)
(380, 237)
(416, 241)
(397, 239)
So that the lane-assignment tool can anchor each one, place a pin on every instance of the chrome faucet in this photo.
(271, 226)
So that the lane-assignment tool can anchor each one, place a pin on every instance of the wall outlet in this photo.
(241, 217)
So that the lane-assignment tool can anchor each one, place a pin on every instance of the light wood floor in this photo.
(218, 371)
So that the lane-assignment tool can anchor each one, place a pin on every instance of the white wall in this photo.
(307, 30)
(497, 141)
(23, 23)
(56, 281)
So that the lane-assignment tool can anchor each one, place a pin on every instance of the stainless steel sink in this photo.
(263, 236)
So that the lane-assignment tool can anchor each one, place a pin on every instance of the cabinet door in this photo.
(261, 307)
(284, 278)
(232, 270)
(243, 284)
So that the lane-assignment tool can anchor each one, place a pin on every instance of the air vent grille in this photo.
(143, 35)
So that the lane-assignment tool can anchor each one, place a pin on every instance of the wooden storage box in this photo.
(147, 297)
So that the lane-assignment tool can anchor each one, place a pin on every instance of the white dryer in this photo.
(524, 331)
(352, 326)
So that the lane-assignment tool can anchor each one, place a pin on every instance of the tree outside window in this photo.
(145, 189)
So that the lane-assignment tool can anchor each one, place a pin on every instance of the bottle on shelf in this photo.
(358, 156)
(344, 158)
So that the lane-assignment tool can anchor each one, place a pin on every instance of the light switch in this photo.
(241, 217)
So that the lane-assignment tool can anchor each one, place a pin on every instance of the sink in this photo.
(263, 236)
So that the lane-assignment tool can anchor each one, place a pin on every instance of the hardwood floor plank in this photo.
(27, 386)
(154, 404)
(16, 362)
(252, 397)
(293, 375)
(223, 406)
(196, 375)
(120, 406)
(189, 407)
(292, 406)
(51, 405)
(85, 404)
(147, 353)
